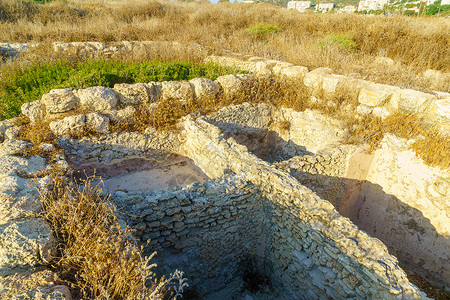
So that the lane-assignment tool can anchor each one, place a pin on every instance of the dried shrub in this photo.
(429, 145)
(97, 254)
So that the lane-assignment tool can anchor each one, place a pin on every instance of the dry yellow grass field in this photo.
(414, 44)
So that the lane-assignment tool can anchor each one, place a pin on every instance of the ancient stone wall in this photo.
(373, 98)
(391, 194)
(209, 230)
(311, 249)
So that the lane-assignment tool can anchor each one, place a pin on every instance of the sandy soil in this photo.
(140, 174)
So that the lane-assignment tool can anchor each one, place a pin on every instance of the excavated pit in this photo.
(383, 193)
(202, 211)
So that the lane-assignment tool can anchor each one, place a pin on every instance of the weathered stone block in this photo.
(279, 66)
(69, 125)
(314, 79)
(40, 285)
(124, 116)
(33, 110)
(132, 93)
(381, 112)
(411, 101)
(204, 88)
(376, 94)
(230, 84)
(14, 146)
(177, 90)
(364, 109)
(97, 123)
(23, 244)
(97, 98)
(331, 82)
(59, 101)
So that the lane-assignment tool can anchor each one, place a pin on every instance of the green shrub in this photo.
(24, 84)
(342, 41)
(262, 30)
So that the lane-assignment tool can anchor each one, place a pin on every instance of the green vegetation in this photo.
(437, 8)
(342, 41)
(24, 84)
(262, 30)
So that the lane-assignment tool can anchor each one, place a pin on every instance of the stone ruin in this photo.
(251, 191)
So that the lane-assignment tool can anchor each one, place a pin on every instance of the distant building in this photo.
(248, 2)
(324, 6)
(371, 4)
(348, 9)
(301, 6)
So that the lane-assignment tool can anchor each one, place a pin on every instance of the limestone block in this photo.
(263, 67)
(294, 72)
(24, 243)
(231, 84)
(154, 89)
(331, 82)
(125, 115)
(204, 88)
(364, 109)
(18, 196)
(72, 46)
(69, 125)
(375, 94)
(255, 59)
(279, 66)
(40, 285)
(33, 110)
(60, 46)
(313, 130)
(177, 90)
(132, 93)
(59, 101)
(19, 199)
(443, 107)
(13, 146)
(314, 78)
(12, 132)
(96, 46)
(381, 112)
(98, 123)
(10, 164)
(304, 258)
(441, 95)
(411, 101)
(97, 98)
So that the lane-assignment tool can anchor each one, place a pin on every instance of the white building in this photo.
(445, 2)
(348, 9)
(301, 6)
(324, 6)
(371, 4)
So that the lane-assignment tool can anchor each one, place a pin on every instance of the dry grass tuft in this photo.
(432, 147)
(434, 150)
(95, 252)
